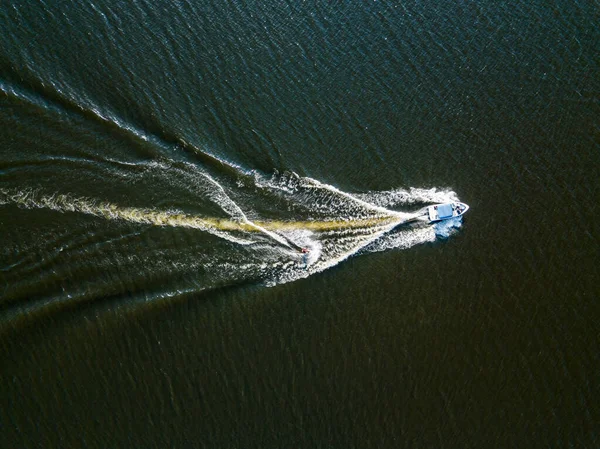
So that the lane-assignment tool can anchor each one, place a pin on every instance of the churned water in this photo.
(162, 164)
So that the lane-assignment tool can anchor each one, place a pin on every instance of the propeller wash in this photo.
(300, 227)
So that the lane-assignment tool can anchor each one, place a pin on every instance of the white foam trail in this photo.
(363, 203)
(396, 197)
(323, 265)
(336, 226)
(329, 197)
(446, 228)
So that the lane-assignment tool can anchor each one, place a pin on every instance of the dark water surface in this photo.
(157, 159)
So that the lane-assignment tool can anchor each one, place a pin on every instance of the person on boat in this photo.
(305, 257)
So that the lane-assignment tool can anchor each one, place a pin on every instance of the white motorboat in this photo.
(446, 211)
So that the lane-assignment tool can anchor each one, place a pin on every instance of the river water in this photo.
(161, 164)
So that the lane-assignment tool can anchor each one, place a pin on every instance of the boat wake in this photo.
(152, 215)
(261, 244)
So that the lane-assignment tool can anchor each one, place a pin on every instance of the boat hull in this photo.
(445, 211)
